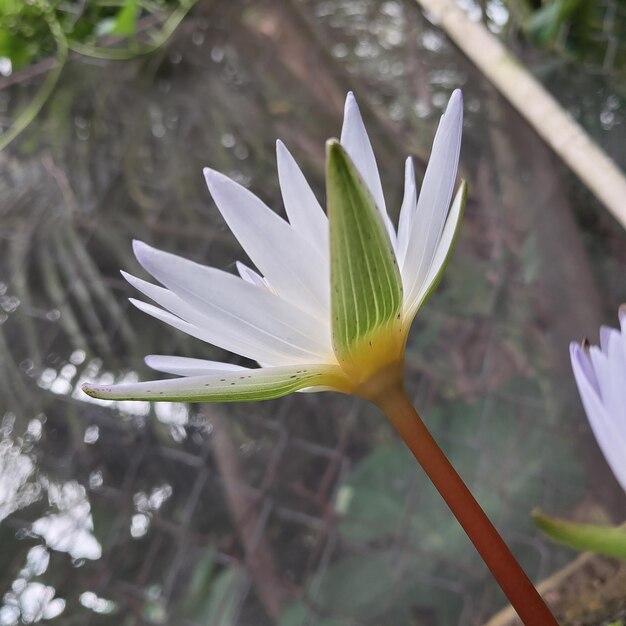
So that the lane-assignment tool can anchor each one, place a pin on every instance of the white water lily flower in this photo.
(600, 373)
(333, 298)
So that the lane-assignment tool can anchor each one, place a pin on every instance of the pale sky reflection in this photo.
(71, 529)
(16, 469)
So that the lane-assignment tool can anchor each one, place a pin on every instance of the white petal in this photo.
(434, 197)
(168, 318)
(407, 210)
(214, 293)
(615, 400)
(622, 322)
(602, 368)
(224, 386)
(611, 441)
(303, 210)
(605, 335)
(250, 276)
(356, 142)
(184, 366)
(226, 339)
(581, 361)
(412, 300)
(240, 320)
(289, 262)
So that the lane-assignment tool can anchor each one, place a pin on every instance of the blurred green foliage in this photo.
(212, 597)
(392, 520)
(591, 31)
(31, 30)
(545, 24)
(25, 26)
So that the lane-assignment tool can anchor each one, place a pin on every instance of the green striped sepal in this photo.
(366, 287)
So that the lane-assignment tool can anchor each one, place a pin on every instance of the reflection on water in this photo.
(98, 605)
(30, 603)
(16, 470)
(285, 512)
(71, 529)
(147, 505)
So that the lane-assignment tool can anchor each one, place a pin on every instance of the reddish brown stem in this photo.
(520, 591)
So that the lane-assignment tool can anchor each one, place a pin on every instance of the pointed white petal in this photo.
(289, 262)
(434, 197)
(413, 300)
(250, 276)
(249, 332)
(220, 295)
(216, 335)
(224, 386)
(303, 210)
(169, 318)
(184, 366)
(356, 142)
(407, 210)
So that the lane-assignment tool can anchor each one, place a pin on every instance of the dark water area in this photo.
(305, 510)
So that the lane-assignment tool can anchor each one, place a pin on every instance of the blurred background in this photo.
(304, 511)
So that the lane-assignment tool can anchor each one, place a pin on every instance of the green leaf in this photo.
(126, 18)
(545, 24)
(374, 494)
(299, 614)
(366, 288)
(606, 540)
(196, 594)
(374, 507)
(222, 599)
(357, 586)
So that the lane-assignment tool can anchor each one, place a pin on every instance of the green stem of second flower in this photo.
(520, 591)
